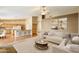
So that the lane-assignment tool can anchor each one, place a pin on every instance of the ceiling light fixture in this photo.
(45, 13)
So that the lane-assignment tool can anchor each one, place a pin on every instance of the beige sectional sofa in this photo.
(55, 36)
(68, 42)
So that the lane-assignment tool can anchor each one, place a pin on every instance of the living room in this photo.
(26, 26)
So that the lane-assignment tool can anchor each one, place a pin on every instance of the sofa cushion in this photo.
(56, 33)
(73, 48)
(74, 34)
(52, 32)
(54, 39)
(60, 49)
(64, 43)
(75, 40)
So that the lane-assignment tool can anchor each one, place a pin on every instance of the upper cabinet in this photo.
(11, 23)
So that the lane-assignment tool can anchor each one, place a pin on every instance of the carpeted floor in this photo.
(7, 50)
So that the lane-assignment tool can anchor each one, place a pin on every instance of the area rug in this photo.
(7, 50)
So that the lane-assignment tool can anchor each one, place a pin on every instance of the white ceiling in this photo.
(26, 11)
(62, 10)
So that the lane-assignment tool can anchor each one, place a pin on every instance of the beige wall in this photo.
(29, 23)
(78, 22)
(46, 25)
(72, 23)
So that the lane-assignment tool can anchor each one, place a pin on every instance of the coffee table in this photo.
(41, 44)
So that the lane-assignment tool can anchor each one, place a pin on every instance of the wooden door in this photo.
(34, 29)
(34, 25)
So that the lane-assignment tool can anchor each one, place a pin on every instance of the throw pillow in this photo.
(75, 40)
